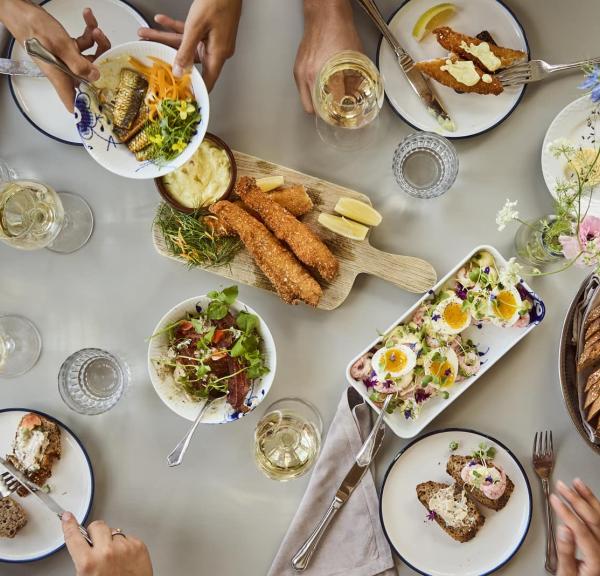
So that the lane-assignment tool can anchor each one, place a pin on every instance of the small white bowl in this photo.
(94, 128)
(220, 412)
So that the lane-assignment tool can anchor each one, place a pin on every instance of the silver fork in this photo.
(8, 485)
(543, 463)
(534, 70)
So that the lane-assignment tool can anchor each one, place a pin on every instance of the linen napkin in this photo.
(354, 544)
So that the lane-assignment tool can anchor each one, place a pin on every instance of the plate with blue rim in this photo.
(71, 485)
(415, 536)
(35, 97)
(472, 114)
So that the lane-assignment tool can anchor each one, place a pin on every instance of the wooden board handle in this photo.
(411, 274)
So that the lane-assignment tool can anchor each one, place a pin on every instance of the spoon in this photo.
(175, 458)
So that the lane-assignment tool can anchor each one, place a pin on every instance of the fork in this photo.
(8, 485)
(543, 463)
(534, 70)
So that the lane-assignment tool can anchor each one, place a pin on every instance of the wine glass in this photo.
(33, 215)
(347, 97)
(20, 345)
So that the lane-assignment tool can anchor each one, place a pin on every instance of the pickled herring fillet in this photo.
(291, 281)
(130, 95)
(307, 247)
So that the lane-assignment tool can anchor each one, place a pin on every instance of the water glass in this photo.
(92, 381)
(20, 346)
(287, 440)
(425, 165)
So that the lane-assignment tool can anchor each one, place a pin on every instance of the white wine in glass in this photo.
(287, 439)
(347, 97)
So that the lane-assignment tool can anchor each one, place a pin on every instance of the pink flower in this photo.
(570, 246)
(589, 229)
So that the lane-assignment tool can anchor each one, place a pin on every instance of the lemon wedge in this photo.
(269, 183)
(582, 162)
(432, 18)
(343, 227)
(359, 211)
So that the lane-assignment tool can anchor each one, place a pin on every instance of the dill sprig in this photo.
(187, 237)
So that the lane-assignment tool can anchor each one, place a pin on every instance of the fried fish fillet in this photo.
(307, 247)
(291, 281)
(433, 68)
(293, 198)
(453, 42)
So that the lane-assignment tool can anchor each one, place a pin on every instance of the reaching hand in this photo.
(110, 555)
(328, 29)
(25, 20)
(581, 530)
(207, 36)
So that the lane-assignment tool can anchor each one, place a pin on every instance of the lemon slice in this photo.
(269, 183)
(582, 163)
(343, 227)
(359, 211)
(432, 18)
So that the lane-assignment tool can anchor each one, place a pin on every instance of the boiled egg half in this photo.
(393, 362)
(504, 306)
(442, 363)
(449, 316)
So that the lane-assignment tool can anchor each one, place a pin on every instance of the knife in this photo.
(415, 78)
(49, 502)
(20, 68)
(361, 464)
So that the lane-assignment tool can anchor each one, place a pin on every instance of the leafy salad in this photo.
(215, 351)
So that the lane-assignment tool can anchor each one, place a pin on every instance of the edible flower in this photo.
(431, 515)
(510, 275)
(507, 214)
(156, 139)
(178, 146)
(185, 108)
(592, 82)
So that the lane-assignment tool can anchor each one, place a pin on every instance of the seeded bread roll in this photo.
(454, 467)
(12, 518)
(462, 533)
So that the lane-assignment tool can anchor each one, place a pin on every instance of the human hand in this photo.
(207, 36)
(26, 20)
(328, 29)
(581, 530)
(110, 556)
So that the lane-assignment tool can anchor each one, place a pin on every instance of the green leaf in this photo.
(198, 325)
(474, 274)
(247, 322)
(229, 295)
(238, 348)
(216, 310)
(202, 370)
(207, 338)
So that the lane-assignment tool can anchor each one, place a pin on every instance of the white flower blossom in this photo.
(561, 147)
(506, 214)
(512, 273)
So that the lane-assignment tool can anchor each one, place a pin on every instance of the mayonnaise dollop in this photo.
(491, 480)
(462, 71)
(484, 54)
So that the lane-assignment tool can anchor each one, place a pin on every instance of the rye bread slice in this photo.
(52, 452)
(12, 518)
(592, 339)
(593, 315)
(589, 356)
(592, 395)
(464, 533)
(454, 467)
(592, 328)
(592, 379)
(594, 410)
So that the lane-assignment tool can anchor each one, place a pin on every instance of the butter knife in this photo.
(20, 68)
(415, 78)
(363, 460)
(49, 502)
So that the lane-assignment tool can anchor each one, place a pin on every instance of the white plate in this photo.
(570, 123)
(94, 127)
(472, 113)
(493, 340)
(421, 543)
(72, 485)
(35, 97)
(220, 412)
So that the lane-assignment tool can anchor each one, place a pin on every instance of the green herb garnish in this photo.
(453, 445)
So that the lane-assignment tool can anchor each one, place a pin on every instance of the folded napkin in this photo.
(354, 544)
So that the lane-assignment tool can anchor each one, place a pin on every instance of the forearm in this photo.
(318, 8)
(14, 12)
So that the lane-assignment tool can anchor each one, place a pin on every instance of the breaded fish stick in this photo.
(291, 281)
(307, 247)
(433, 68)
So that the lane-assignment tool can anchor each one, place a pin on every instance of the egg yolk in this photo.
(505, 305)
(395, 360)
(443, 370)
(455, 316)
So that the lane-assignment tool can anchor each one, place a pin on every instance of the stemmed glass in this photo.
(347, 97)
(20, 346)
(33, 215)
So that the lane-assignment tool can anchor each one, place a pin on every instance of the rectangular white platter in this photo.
(495, 341)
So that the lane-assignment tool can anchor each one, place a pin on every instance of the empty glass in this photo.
(92, 381)
(20, 346)
(287, 439)
(425, 165)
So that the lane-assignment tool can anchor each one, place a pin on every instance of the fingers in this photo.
(186, 53)
(170, 23)
(89, 18)
(586, 494)
(172, 39)
(102, 42)
(587, 513)
(305, 90)
(76, 543)
(213, 60)
(61, 82)
(584, 536)
(565, 547)
(100, 534)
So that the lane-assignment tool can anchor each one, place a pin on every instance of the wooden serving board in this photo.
(356, 257)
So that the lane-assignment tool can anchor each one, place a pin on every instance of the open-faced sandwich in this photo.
(37, 445)
(12, 518)
(471, 63)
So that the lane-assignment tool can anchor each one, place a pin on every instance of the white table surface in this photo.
(216, 514)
